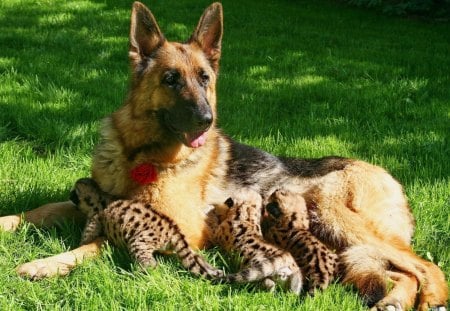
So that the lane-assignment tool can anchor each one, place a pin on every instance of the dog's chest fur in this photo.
(181, 191)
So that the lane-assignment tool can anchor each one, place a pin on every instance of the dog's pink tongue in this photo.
(196, 140)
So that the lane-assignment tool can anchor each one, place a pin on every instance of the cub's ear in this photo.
(208, 34)
(145, 36)
(273, 208)
(74, 197)
(229, 202)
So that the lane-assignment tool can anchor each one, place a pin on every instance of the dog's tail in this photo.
(364, 267)
(367, 267)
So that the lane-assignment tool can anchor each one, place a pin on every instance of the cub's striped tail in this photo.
(275, 269)
(192, 261)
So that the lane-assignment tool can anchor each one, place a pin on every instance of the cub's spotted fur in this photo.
(288, 227)
(135, 225)
(239, 230)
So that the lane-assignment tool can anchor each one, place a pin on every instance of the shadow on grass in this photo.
(58, 70)
(302, 69)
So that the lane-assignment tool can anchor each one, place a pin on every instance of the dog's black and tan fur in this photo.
(168, 120)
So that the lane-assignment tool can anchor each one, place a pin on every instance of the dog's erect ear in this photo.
(145, 36)
(208, 34)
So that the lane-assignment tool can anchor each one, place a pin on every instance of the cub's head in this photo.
(244, 205)
(286, 209)
(174, 84)
(88, 197)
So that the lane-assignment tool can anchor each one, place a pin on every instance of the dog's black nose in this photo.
(204, 120)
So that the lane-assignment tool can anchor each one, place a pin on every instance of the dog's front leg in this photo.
(60, 264)
(44, 216)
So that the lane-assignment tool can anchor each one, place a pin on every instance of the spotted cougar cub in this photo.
(135, 225)
(239, 231)
(288, 227)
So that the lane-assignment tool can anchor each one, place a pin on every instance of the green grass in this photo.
(298, 78)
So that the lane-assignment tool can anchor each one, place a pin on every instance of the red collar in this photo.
(144, 174)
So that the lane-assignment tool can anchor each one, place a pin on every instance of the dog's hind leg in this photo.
(403, 294)
(431, 284)
(44, 216)
(366, 266)
(434, 293)
(60, 264)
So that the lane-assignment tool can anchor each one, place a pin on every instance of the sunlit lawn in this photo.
(298, 78)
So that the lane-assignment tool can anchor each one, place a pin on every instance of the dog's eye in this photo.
(204, 78)
(171, 78)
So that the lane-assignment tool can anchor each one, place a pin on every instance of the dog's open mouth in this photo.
(194, 140)
(191, 139)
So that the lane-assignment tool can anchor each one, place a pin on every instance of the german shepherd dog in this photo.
(163, 146)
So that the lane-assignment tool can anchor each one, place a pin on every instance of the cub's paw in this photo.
(268, 284)
(216, 273)
(283, 274)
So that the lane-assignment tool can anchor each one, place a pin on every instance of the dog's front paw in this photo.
(387, 306)
(43, 268)
(60, 264)
(9, 223)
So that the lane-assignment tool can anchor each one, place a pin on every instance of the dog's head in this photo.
(173, 84)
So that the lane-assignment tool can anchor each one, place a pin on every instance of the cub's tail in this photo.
(275, 269)
(192, 261)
